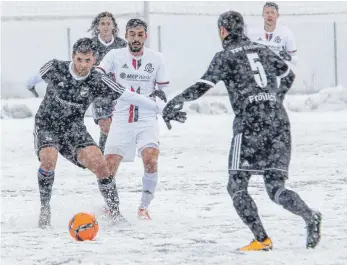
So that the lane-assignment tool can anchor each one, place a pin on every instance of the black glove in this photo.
(160, 94)
(33, 90)
(285, 55)
(172, 112)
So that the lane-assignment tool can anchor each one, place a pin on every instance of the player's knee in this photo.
(274, 190)
(104, 129)
(274, 184)
(48, 159)
(150, 160)
(151, 167)
(236, 184)
(101, 170)
(113, 162)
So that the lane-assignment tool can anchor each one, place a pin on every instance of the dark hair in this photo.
(233, 22)
(271, 4)
(95, 23)
(84, 45)
(134, 22)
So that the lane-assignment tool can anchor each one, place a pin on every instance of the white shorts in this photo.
(124, 138)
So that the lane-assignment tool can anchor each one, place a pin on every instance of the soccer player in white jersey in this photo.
(278, 38)
(141, 70)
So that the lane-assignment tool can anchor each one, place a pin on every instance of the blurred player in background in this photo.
(140, 70)
(104, 31)
(257, 81)
(278, 38)
(59, 125)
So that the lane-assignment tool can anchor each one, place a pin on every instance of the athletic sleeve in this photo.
(291, 46)
(107, 64)
(162, 79)
(216, 71)
(34, 80)
(46, 73)
(115, 91)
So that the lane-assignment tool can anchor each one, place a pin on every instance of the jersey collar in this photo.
(104, 43)
(74, 75)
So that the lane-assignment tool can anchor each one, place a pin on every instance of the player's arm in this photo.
(289, 52)
(44, 74)
(161, 81)
(212, 76)
(115, 91)
(107, 64)
(285, 76)
(215, 73)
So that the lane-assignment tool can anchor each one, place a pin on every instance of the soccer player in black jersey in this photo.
(59, 127)
(256, 80)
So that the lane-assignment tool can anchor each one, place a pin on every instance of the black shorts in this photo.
(65, 139)
(259, 152)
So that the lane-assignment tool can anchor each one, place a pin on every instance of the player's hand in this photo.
(285, 55)
(160, 94)
(33, 90)
(172, 112)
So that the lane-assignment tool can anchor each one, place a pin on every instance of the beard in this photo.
(135, 49)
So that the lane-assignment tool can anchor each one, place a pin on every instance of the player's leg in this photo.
(120, 146)
(274, 178)
(80, 148)
(150, 157)
(241, 165)
(46, 148)
(148, 149)
(92, 158)
(120, 143)
(291, 201)
(104, 125)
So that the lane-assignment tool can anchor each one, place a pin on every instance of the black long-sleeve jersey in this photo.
(69, 96)
(256, 80)
(102, 49)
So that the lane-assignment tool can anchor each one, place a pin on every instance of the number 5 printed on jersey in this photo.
(257, 67)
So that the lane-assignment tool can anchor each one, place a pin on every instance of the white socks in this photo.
(149, 182)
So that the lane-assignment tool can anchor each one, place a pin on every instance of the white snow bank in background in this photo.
(328, 99)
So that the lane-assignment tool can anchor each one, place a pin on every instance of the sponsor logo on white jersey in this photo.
(135, 77)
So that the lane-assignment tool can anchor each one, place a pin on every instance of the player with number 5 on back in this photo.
(257, 81)
(140, 70)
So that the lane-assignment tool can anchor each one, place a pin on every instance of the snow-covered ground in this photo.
(194, 221)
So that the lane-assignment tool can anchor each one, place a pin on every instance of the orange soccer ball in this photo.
(83, 226)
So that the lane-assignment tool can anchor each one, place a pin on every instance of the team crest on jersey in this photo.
(84, 92)
(277, 39)
(149, 68)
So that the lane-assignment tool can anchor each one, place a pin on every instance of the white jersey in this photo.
(140, 74)
(281, 38)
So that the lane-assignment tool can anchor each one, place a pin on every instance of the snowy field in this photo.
(194, 221)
